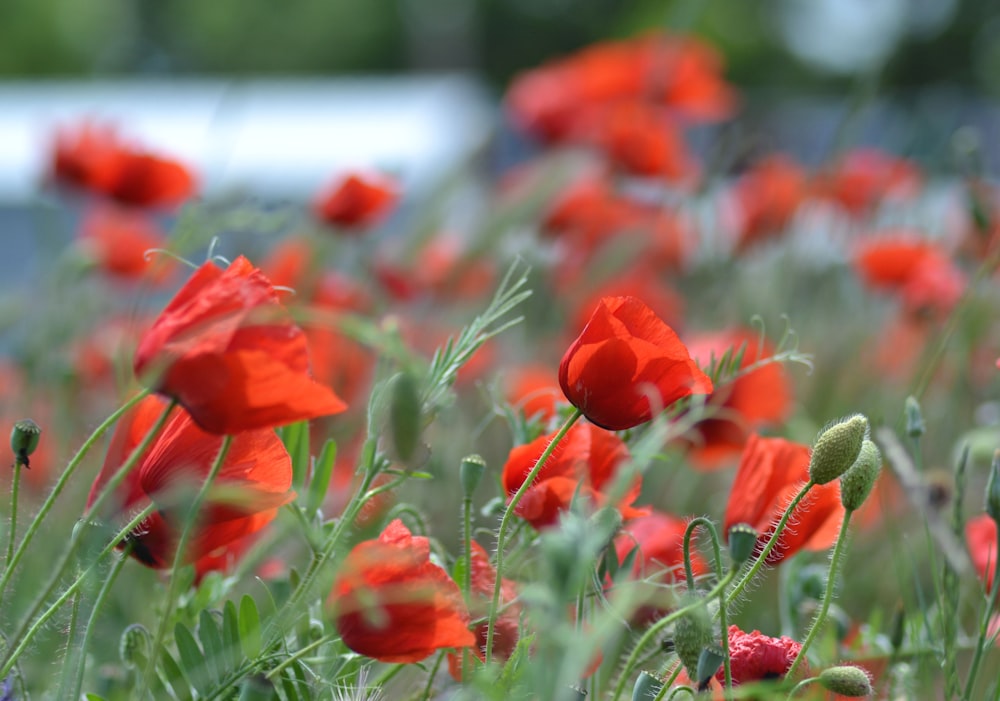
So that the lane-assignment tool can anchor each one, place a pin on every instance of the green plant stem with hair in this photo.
(180, 554)
(802, 685)
(508, 516)
(11, 535)
(771, 543)
(71, 633)
(831, 584)
(723, 615)
(431, 676)
(467, 573)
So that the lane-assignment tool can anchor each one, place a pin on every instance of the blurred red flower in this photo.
(981, 535)
(582, 465)
(533, 389)
(760, 397)
(767, 196)
(391, 603)
(864, 177)
(255, 479)
(117, 240)
(228, 352)
(357, 201)
(640, 139)
(625, 364)
(93, 157)
(770, 474)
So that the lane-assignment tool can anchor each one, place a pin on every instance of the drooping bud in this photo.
(24, 439)
(692, 632)
(837, 448)
(647, 686)
(915, 426)
(404, 415)
(470, 472)
(993, 490)
(742, 540)
(846, 680)
(133, 646)
(856, 484)
(709, 662)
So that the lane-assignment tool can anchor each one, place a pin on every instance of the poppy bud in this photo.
(742, 540)
(708, 664)
(647, 686)
(24, 439)
(692, 632)
(133, 646)
(993, 489)
(470, 473)
(837, 448)
(856, 484)
(897, 629)
(404, 415)
(915, 426)
(846, 680)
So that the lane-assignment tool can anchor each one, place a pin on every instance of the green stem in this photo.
(13, 513)
(387, 675)
(802, 685)
(831, 585)
(723, 615)
(505, 522)
(657, 627)
(984, 625)
(180, 555)
(74, 617)
(467, 575)
(299, 654)
(771, 543)
(430, 677)
(37, 625)
(60, 485)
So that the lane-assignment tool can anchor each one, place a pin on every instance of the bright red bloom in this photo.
(117, 240)
(981, 534)
(583, 465)
(640, 139)
(227, 350)
(391, 603)
(357, 201)
(255, 479)
(755, 657)
(771, 472)
(627, 363)
(506, 632)
(94, 158)
(758, 398)
(767, 196)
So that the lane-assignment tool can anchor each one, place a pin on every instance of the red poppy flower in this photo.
(391, 603)
(227, 350)
(981, 534)
(760, 397)
(506, 631)
(862, 178)
(771, 472)
(625, 362)
(254, 480)
(357, 201)
(640, 139)
(583, 465)
(533, 389)
(642, 281)
(767, 196)
(117, 240)
(755, 657)
(94, 158)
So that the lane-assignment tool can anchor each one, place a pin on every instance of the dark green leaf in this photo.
(175, 678)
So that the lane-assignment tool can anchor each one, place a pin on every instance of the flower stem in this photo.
(13, 513)
(508, 516)
(771, 543)
(723, 616)
(831, 585)
(467, 575)
(984, 636)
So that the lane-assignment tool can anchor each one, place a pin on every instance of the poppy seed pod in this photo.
(837, 448)
(742, 538)
(24, 438)
(647, 686)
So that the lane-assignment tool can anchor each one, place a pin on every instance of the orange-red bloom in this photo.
(255, 479)
(862, 178)
(94, 158)
(391, 603)
(760, 397)
(583, 465)
(117, 240)
(627, 363)
(533, 389)
(771, 472)
(227, 350)
(981, 534)
(640, 139)
(357, 201)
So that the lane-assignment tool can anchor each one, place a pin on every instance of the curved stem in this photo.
(801, 685)
(723, 615)
(508, 515)
(771, 543)
(180, 555)
(831, 585)
(60, 485)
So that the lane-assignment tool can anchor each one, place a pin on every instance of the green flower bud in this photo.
(856, 484)
(837, 448)
(897, 629)
(709, 662)
(647, 686)
(742, 541)
(846, 680)
(404, 416)
(915, 426)
(993, 489)
(692, 632)
(24, 439)
(470, 473)
(133, 646)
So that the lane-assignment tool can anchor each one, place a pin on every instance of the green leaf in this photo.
(94, 697)
(296, 439)
(211, 642)
(300, 678)
(231, 635)
(250, 634)
(192, 658)
(322, 471)
(288, 687)
(175, 678)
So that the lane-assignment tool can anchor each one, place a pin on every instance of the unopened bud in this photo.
(742, 541)
(897, 629)
(708, 664)
(915, 426)
(404, 416)
(692, 632)
(133, 647)
(856, 484)
(24, 439)
(993, 489)
(837, 448)
(647, 686)
(470, 472)
(846, 680)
